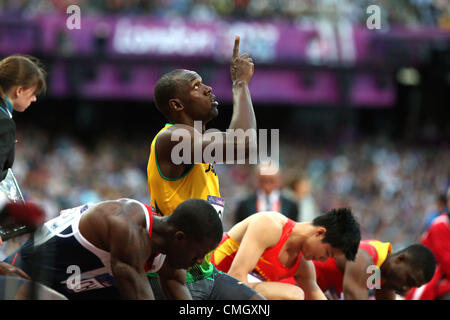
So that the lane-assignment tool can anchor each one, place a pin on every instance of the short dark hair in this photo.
(420, 257)
(198, 219)
(442, 198)
(166, 89)
(342, 231)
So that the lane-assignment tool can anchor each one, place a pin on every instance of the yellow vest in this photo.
(166, 194)
(200, 182)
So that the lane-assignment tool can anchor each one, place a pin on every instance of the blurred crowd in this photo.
(409, 12)
(391, 187)
(63, 172)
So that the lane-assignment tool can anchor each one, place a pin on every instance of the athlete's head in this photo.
(198, 231)
(408, 268)
(181, 93)
(21, 79)
(335, 233)
(268, 178)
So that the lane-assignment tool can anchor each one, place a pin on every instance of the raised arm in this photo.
(242, 69)
(127, 265)
(306, 279)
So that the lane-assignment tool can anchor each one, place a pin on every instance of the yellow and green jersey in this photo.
(200, 182)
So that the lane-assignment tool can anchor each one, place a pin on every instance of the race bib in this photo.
(218, 204)
(95, 279)
(59, 224)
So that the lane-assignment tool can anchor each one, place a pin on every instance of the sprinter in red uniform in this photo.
(267, 247)
(437, 238)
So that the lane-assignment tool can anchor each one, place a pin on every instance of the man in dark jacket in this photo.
(267, 197)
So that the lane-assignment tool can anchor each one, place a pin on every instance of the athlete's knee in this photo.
(279, 291)
(293, 293)
(257, 296)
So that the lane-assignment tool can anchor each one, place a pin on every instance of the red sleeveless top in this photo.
(268, 268)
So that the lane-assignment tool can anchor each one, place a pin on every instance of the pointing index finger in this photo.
(236, 47)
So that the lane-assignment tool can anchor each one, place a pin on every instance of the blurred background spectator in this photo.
(63, 172)
(440, 208)
(300, 187)
(267, 196)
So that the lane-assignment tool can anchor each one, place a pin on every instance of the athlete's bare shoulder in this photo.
(174, 132)
(131, 210)
(127, 215)
(273, 218)
(268, 223)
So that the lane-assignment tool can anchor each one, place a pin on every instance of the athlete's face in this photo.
(198, 99)
(315, 249)
(187, 252)
(403, 277)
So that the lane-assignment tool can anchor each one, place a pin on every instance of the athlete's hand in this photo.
(9, 270)
(242, 66)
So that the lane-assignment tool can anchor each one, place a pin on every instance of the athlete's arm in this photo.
(127, 265)
(354, 284)
(306, 279)
(173, 283)
(8, 270)
(384, 294)
(241, 69)
(252, 246)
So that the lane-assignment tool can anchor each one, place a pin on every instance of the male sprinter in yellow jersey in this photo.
(184, 99)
